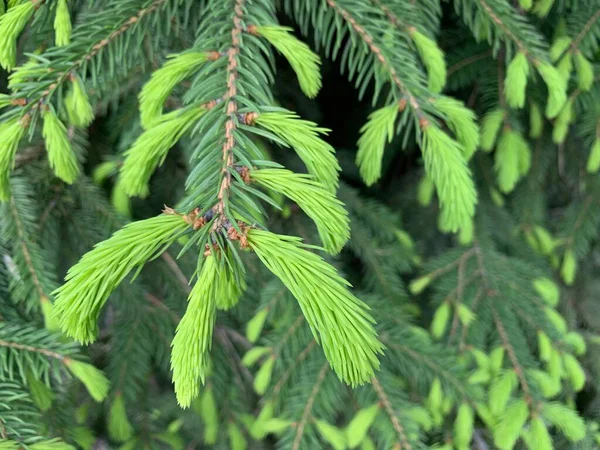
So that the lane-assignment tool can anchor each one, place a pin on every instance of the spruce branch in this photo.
(403, 442)
(412, 101)
(307, 411)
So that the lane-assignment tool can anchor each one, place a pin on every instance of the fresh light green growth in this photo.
(303, 137)
(254, 354)
(565, 419)
(120, 200)
(421, 416)
(337, 318)
(378, 130)
(130, 445)
(585, 72)
(256, 324)
(237, 441)
(577, 342)
(368, 444)
(463, 426)
(41, 394)
(417, 286)
(440, 320)
(462, 121)
(432, 58)
(496, 197)
(536, 121)
(32, 69)
(537, 437)
(481, 358)
(77, 103)
(263, 376)
(556, 319)
(61, 157)
(62, 24)
(490, 127)
(496, 360)
(90, 282)
(155, 92)
(574, 371)
(516, 81)
(466, 233)
(511, 423)
(357, 429)
(425, 190)
(5, 100)
(52, 444)
(569, 267)
(259, 428)
(83, 437)
(230, 290)
(543, 7)
(543, 239)
(92, 378)
(319, 204)
(555, 364)
(11, 25)
(544, 346)
(446, 165)
(561, 124)
(207, 407)
(274, 426)
(193, 338)
(557, 88)
(511, 159)
(119, 428)
(104, 170)
(11, 134)
(50, 321)
(465, 315)
(548, 290)
(5, 444)
(550, 386)
(150, 149)
(302, 59)
(593, 162)
(526, 4)
(331, 434)
(565, 66)
(559, 46)
(436, 397)
(501, 389)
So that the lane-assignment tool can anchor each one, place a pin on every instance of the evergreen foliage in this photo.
(204, 247)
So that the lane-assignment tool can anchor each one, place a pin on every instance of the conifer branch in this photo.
(290, 370)
(32, 349)
(307, 412)
(26, 254)
(513, 359)
(368, 39)
(94, 49)
(585, 30)
(432, 364)
(387, 406)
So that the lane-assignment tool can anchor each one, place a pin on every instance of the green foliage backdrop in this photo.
(299, 224)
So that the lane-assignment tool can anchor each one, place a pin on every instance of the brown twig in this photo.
(306, 414)
(387, 406)
(232, 109)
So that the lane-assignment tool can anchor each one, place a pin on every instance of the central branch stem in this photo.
(232, 107)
